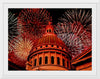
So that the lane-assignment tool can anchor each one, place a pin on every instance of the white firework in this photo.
(21, 47)
(75, 37)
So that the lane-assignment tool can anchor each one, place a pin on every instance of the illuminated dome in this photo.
(49, 53)
(49, 38)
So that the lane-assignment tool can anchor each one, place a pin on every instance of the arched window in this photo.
(49, 30)
(63, 62)
(51, 45)
(46, 45)
(40, 60)
(35, 62)
(67, 64)
(52, 60)
(40, 46)
(58, 60)
(46, 60)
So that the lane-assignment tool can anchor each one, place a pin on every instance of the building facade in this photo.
(83, 61)
(49, 53)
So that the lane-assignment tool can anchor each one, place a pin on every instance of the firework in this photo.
(12, 29)
(21, 47)
(33, 21)
(78, 15)
(12, 26)
(74, 28)
(16, 60)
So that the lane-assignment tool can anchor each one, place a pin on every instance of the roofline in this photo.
(84, 52)
(49, 49)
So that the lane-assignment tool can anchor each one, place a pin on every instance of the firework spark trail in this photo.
(12, 29)
(12, 24)
(21, 47)
(78, 15)
(16, 60)
(75, 40)
(74, 28)
(33, 21)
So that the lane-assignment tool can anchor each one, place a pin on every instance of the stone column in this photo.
(61, 63)
(55, 59)
(66, 62)
(32, 61)
(37, 60)
(49, 58)
(43, 59)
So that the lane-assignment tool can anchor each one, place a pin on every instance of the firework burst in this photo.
(21, 47)
(12, 28)
(83, 16)
(74, 30)
(33, 21)
(16, 60)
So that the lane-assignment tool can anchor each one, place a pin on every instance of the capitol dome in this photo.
(49, 53)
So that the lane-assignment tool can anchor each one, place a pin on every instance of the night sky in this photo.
(55, 12)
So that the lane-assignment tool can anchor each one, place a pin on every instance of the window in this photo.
(52, 60)
(49, 30)
(52, 52)
(67, 64)
(40, 46)
(46, 45)
(40, 60)
(63, 62)
(58, 60)
(58, 52)
(51, 45)
(46, 60)
(35, 62)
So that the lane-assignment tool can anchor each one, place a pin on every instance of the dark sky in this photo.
(55, 13)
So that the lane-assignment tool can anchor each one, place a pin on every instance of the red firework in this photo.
(33, 21)
(13, 58)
